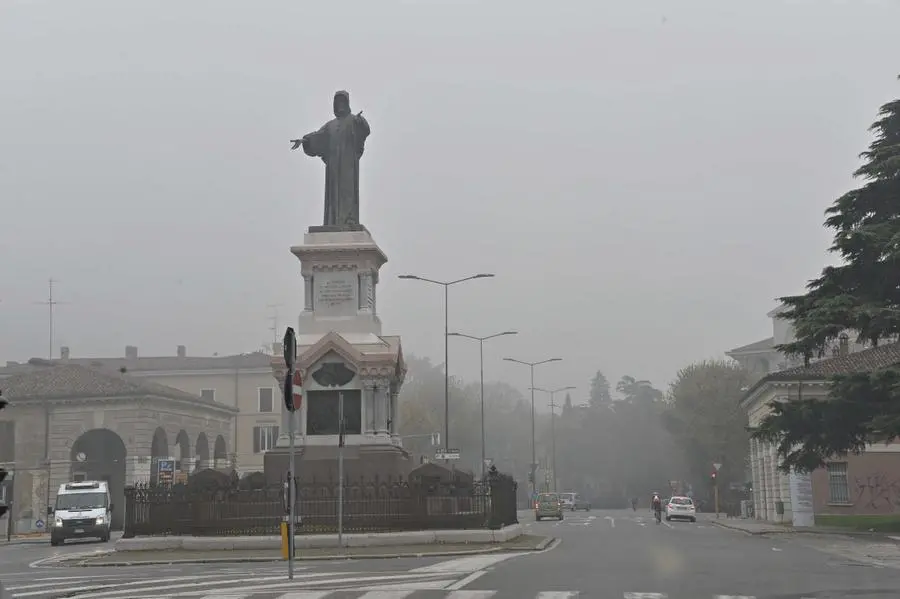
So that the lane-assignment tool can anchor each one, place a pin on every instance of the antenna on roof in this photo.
(50, 303)
(274, 321)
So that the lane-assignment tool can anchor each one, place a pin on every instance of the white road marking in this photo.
(593, 517)
(400, 594)
(612, 521)
(471, 594)
(429, 585)
(646, 596)
(467, 580)
(121, 591)
(466, 564)
(305, 595)
(734, 597)
(775, 549)
(556, 594)
(667, 524)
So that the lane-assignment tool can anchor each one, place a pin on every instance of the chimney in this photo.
(182, 351)
(844, 339)
(64, 353)
(131, 352)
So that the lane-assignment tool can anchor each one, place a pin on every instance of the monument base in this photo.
(319, 463)
(336, 228)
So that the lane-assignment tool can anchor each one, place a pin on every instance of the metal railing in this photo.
(368, 506)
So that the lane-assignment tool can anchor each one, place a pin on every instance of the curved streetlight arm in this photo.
(445, 283)
(474, 338)
(533, 364)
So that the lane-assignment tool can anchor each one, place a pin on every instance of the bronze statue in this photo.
(340, 144)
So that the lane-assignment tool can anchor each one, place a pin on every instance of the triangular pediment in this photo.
(330, 343)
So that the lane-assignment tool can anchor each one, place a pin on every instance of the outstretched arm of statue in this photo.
(298, 142)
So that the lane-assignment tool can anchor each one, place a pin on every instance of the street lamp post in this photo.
(481, 341)
(531, 365)
(446, 285)
(553, 392)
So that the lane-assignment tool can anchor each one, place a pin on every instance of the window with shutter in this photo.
(255, 439)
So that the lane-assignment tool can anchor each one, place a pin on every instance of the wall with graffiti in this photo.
(870, 484)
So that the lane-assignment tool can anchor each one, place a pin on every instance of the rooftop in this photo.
(867, 360)
(134, 363)
(73, 381)
(767, 344)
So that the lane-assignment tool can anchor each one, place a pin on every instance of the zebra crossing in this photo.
(439, 584)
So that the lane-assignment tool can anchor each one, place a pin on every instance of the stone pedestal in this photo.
(341, 352)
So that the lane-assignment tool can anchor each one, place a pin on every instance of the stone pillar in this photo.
(308, 293)
(368, 415)
(366, 293)
(784, 488)
(279, 371)
(394, 402)
(771, 488)
(754, 477)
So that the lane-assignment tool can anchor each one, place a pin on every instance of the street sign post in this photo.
(340, 469)
(165, 471)
(717, 466)
(290, 361)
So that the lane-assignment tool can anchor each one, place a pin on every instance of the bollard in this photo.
(285, 540)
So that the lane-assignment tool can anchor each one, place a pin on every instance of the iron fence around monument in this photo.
(369, 506)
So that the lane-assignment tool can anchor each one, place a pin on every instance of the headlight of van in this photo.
(100, 520)
(57, 522)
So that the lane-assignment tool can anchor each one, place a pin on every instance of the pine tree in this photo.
(600, 394)
(567, 404)
(861, 294)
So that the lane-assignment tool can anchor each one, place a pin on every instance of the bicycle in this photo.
(658, 516)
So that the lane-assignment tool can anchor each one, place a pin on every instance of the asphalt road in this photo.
(601, 554)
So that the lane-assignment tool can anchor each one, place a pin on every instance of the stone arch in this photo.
(100, 454)
(201, 451)
(183, 458)
(220, 453)
(159, 449)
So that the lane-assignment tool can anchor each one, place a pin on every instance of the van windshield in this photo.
(81, 501)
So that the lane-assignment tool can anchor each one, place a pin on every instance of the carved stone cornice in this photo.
(342, 266)
(376, 382)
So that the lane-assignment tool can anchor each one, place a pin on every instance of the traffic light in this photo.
(3, 472)
(712, 477)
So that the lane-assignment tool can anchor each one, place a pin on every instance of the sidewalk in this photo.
(760, 527)
(323, 541)
(26, 538)
(177, 556)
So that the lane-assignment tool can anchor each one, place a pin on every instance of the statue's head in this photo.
(341, 103)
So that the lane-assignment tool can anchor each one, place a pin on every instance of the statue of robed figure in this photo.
(340, 144)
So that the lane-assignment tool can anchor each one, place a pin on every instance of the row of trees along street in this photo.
(608, 448)
(861, 296)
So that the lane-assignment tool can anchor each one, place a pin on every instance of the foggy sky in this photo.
(644, 178)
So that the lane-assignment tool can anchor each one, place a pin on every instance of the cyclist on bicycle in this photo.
(656, 503)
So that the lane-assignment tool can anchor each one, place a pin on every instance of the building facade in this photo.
(866, 484)
(70, 422)
(242, 381)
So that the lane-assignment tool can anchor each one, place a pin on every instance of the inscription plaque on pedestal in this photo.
(334, 293)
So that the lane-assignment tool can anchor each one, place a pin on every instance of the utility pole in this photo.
(50, 303)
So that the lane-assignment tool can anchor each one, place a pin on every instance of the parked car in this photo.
(548, 505)
(681, 508)
(574, 501)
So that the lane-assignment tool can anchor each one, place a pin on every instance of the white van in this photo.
(83, 510)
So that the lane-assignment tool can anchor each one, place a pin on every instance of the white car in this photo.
(681, 508)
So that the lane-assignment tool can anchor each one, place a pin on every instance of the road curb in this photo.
(86, 563)
(543, 544)
(805, 531)
(750, 532)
